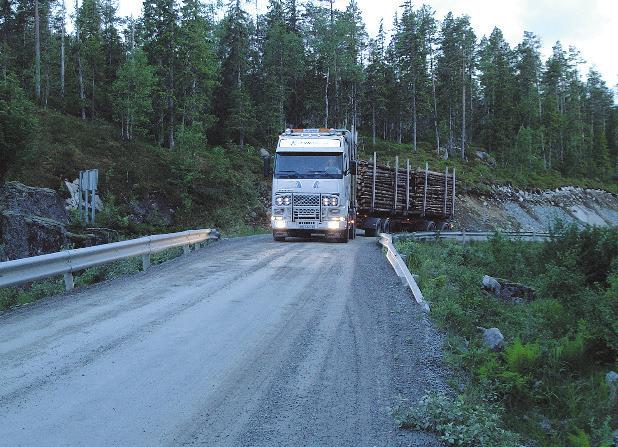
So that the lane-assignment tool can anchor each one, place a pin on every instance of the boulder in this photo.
(26, 235)
(493, 338)
(508, 291)
(32, 221)
(491, 284)
(45, 203)
(486, 157)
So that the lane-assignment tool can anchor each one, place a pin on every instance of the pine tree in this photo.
(234, 105)
(497, 82)
(159, 28)
(197, 70)
(132, 91)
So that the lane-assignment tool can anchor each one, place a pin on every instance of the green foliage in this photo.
(133, 94)
(523, 358)
(17, 123)
(11, 296)
(458, 421)
(558, 348)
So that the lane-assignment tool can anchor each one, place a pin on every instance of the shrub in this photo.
(458, 421)
(522, 358)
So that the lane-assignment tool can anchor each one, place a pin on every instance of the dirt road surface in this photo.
(248, 342)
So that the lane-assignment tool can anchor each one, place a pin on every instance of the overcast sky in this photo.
(589, 25)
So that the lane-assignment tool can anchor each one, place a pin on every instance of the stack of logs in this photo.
(439, 190)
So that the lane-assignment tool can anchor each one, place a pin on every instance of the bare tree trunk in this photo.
(171, 111)
(463, 108)
(257, 21)
(414, 114)
(435, 102)
(450, 132)
(63, 31)
(80, 72)
(93, 86)
(373, 126)
(37, 52)
(326, 97)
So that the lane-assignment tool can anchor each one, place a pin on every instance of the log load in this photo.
(397, 193)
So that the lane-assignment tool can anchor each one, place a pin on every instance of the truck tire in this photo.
(430, 225)
(386, 226)
(443, 226)
(370, 233)
(352, 232)
(345, 237)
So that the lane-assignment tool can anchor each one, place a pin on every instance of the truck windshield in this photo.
(309, 165)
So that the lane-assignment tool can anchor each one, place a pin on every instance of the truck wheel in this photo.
(385, 226)
(444, 226)
(345, 237)
(352, 232)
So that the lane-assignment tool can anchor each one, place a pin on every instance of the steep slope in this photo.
(143, 186)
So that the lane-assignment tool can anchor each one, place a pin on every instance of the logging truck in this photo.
(320, 187)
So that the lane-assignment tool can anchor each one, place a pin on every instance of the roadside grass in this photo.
(473, 174)
(12, 296)
(548, 384)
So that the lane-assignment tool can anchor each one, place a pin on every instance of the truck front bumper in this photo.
(326, 226)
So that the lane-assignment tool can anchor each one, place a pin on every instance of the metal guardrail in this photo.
(68, 262)
(386, 240)
(469, 236)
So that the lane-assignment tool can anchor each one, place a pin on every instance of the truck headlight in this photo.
(330, 201)
(278, 211)
(333, 225)
(283, 200)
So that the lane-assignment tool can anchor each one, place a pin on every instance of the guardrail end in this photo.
(69, 284)
(145, 262)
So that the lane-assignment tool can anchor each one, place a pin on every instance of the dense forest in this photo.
(190, 73)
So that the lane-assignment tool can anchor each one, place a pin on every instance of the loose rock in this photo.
(491, 284)
(507, 290)
(493, 338)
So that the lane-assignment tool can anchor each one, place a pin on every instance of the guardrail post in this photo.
(145, 262)
(186, 249)
(463, 237)
(69, 284)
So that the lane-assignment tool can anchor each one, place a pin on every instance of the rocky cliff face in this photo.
(511, 209)
(32, 221)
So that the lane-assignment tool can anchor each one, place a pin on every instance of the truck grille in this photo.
(306, 200)
(306, 214)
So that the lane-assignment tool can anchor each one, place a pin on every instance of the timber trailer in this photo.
(320, 187)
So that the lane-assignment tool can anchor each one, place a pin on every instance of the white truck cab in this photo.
(313, 184)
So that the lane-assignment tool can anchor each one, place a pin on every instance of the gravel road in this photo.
(248, 342)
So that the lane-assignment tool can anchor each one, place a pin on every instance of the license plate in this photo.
(307, 225)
